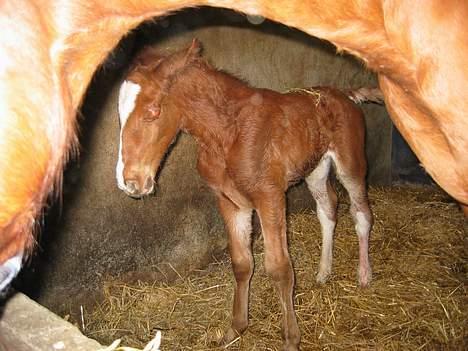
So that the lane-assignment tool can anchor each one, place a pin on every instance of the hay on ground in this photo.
(417, 299)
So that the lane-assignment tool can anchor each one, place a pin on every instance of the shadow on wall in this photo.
(406, 168)
(103, 233)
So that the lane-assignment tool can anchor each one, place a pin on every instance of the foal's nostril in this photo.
(137, 189)
(131, 186)
(149, 185)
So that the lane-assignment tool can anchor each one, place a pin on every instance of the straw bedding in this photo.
(417, 299)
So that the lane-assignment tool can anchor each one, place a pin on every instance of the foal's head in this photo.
(148, 124)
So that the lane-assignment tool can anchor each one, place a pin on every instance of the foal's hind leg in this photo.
(325, 197)
(353, 179)
(239, 226)
(271, 208)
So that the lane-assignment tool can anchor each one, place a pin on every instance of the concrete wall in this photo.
(28, 326)
(103, 232)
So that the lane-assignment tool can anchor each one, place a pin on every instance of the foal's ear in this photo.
(148, 58)
(194, 50)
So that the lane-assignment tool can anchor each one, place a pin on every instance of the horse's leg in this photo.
(362, 217)
(326, 200)
(239, 226)
(352, 176)
(271, 208)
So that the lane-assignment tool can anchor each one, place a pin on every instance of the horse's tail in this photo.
(362, 95)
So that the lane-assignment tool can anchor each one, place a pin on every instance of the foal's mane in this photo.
(149, 58)
(146, 59)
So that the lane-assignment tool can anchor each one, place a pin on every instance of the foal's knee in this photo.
(279, 268)
(363, 220)
(242, 267)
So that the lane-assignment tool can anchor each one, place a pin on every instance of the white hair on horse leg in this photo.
(9, 270)
(243, 224)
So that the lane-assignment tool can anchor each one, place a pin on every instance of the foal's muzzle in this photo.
(136, 189)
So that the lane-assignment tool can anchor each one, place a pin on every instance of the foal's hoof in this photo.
(365, 277)
(291, 347)
(229, 337)
(322, 276)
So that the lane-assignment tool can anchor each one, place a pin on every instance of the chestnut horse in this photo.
(253, 143)
(49, 50)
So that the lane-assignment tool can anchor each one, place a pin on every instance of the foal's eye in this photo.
(152, 113)
(149, 117)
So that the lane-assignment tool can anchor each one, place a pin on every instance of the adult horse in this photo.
(49, 50)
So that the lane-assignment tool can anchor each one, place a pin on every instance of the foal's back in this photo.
(286, 135)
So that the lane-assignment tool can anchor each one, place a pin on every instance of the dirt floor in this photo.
(417, 299)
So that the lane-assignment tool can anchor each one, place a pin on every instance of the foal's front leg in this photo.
(271, 209)
(239, 226)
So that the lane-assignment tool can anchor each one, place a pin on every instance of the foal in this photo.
(253, 144)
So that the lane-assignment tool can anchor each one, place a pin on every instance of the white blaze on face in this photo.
(127, 98)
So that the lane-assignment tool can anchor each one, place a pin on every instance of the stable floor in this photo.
(417, 299)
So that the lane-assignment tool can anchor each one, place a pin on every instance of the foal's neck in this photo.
(201, 95)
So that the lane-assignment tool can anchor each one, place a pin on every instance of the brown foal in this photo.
(253, 144)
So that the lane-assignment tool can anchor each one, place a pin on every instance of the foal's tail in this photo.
(362, 95)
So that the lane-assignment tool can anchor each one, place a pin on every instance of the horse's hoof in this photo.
(230, 337)
(322, 276)
(365, 277)
(291, 347)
